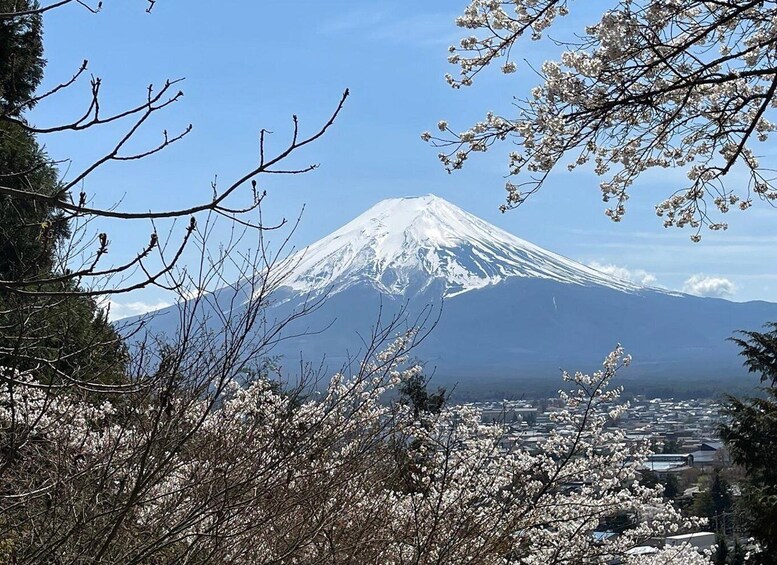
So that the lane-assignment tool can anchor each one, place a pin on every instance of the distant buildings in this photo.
(682, 434)
(688, 427)
(664, 463)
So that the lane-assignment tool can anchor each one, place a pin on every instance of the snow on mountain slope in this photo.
(534, 312)
(403, 245)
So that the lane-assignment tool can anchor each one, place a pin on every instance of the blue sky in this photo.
(250, 65)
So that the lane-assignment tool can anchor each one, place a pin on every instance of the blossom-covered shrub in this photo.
(248, 473)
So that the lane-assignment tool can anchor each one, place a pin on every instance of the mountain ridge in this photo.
(510, 310)
(400, 240)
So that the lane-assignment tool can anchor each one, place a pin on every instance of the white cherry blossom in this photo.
(655, 84)
(250, 474)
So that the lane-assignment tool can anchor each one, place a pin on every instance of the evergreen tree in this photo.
(64, 336)
(715, 503)
(751, 436)
(414, 392)
(671, 487)
(720, 496)
(760, 352)
(29, 231)
(21, 57)
(721, 550)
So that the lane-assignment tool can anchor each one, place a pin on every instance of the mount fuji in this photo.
(403, 246)
(510, 311)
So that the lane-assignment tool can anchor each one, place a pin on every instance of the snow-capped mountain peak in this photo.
(403, 245)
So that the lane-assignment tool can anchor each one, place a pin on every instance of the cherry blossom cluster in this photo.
(686, 85)
(261, 475)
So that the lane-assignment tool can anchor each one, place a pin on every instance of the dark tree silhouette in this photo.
(751, 436)
(760, 352)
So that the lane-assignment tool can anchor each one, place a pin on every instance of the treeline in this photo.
(680, 388)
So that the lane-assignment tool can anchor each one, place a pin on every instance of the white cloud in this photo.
(701, 285)
(127, 309)
(637, 276)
